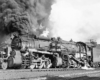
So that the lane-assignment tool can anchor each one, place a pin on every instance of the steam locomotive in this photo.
(39, 52)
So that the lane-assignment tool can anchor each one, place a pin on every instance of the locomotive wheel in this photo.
(65, 64)
(54, 62)
(23, 67)
(4, 65)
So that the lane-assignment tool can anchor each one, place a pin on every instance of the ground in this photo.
(71, 74)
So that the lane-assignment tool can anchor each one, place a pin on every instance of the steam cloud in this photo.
(24, 16)
(69, 19)
(76, 19)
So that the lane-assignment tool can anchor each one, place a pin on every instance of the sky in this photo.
(76, 19)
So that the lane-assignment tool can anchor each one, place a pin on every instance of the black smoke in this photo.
(24, 16)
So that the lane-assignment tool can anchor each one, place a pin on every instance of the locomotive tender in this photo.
(39, 52)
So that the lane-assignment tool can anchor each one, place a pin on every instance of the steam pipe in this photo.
(43, 38)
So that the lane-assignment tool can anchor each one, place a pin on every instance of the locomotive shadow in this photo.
(76, 78)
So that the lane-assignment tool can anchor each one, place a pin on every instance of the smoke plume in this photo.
(76, 19)
(24, 16)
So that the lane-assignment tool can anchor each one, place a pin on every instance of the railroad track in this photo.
(38, 70)
(27, 73)
(54, 69)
